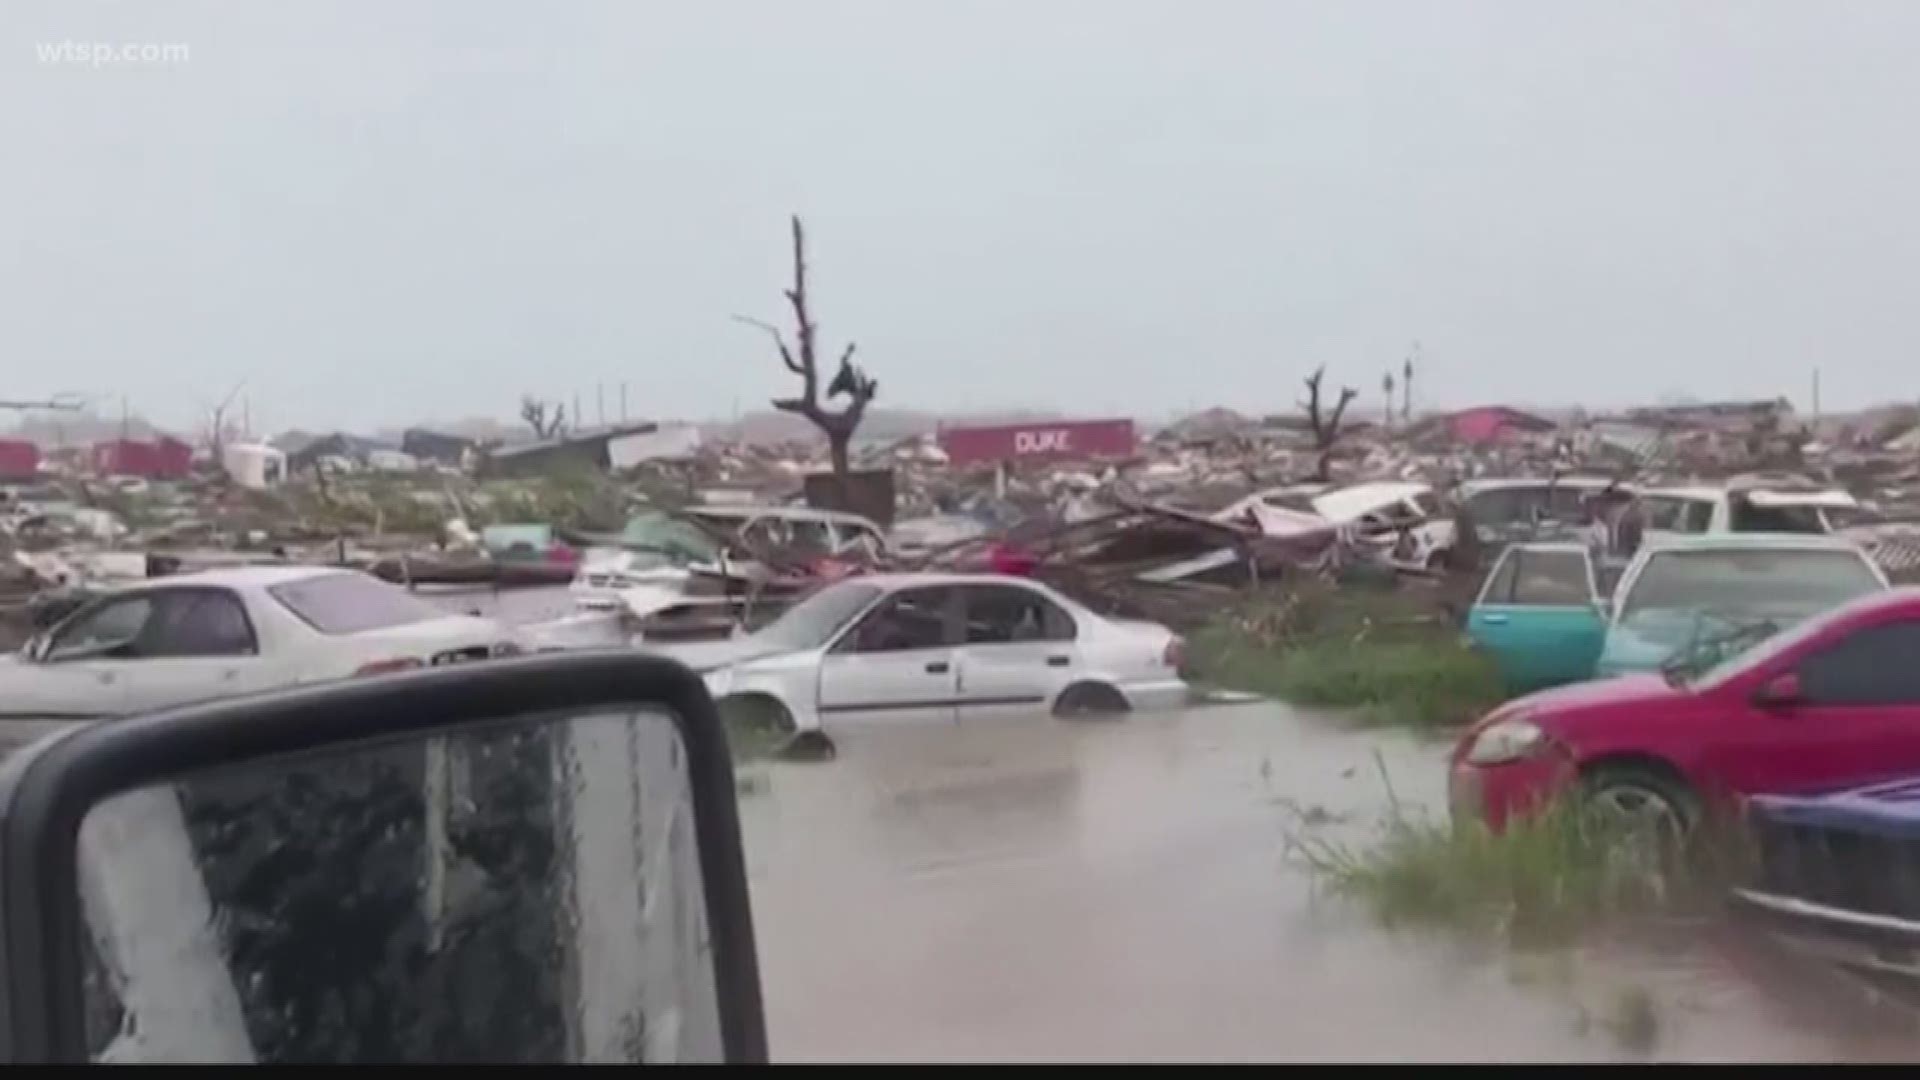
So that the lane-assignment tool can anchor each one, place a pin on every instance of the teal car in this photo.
(1540, 615)
(1686, 599)
(1545, 619)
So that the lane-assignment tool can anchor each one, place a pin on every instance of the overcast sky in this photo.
(382, 212)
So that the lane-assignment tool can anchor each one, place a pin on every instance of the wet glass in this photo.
(813, 621)
(527, 892)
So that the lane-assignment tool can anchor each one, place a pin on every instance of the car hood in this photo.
(709, 655)
(1624, 690)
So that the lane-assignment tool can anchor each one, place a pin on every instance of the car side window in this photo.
(1564, 502)
(1008, 615)
(198, 622)
(1874, 666)
(913, 619)
(114, 623)
(1552, 578)
(1696, 516)
(1499, 586)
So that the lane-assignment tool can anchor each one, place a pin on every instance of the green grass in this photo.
(1543, 880)
(1386, 656)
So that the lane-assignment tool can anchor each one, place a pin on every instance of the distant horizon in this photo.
(91, 425)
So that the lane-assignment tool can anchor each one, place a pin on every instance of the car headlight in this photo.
(1507, 740)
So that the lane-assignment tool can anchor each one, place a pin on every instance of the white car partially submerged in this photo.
(907, 648)
(173, 640)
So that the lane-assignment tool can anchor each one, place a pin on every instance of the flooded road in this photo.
(1121, 890)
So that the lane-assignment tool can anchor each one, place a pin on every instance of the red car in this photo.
(1832, 702)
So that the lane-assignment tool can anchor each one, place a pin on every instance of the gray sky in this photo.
(380, 212)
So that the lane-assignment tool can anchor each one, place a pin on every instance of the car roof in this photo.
(926, 579)
(244, 577)
(1474, 487)
(1702, 492)
(1358, 499)
(1753, 541)
(791, 513)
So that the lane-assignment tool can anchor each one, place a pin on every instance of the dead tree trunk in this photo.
(799, 356)
(1326, 426)
(534, 412)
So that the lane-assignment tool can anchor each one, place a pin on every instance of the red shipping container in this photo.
(19, 460)
(1028, 442)
(163, 459)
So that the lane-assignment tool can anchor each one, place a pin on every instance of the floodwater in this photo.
(1032, 889)
(1045, 890)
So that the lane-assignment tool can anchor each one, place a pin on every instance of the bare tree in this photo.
(838, 425)
(535, 413)
(1386, 390)
(1326, 426)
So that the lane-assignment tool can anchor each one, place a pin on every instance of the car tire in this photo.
(1088, 700)
(1638, 794)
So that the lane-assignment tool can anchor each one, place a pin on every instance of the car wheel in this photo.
(1633, 795)
(1650, 814)
(1089, 700)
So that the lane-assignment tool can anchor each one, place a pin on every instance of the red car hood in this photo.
(1622, 690)
(1597, 693)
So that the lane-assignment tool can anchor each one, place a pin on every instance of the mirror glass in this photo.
(518, 892)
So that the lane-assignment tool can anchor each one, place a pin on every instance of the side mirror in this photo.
(1780, 692)
(521, 860)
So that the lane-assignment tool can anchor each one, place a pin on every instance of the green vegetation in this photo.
(1391, 656)
(1542, 880)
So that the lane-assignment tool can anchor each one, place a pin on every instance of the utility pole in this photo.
(1816, 395)
(623, 401)
(600, 402)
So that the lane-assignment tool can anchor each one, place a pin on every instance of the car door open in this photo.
(1539, 616)
(897, 664)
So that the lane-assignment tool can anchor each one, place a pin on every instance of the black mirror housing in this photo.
(48, 791)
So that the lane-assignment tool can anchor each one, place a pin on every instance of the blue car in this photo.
(1839, 875)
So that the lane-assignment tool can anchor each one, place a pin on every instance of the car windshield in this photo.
(812, 622)
(351, 603)
(1758, 655)
(1741, 585)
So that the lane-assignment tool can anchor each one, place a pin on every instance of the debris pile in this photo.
(693, 534)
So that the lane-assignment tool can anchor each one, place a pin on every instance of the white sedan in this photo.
(172, 640)
(939, 647)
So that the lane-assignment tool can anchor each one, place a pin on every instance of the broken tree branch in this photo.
(1326, 427)
(800, 357)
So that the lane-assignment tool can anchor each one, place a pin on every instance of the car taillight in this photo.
(1175, 654)
(388, 667)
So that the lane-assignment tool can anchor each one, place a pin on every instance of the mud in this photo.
(1045, 890)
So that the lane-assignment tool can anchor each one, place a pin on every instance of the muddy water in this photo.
(1041, 890)
(1032, 889)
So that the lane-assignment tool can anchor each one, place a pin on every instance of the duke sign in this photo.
(1055, 439)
